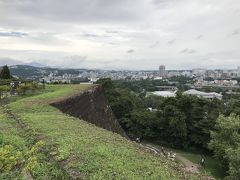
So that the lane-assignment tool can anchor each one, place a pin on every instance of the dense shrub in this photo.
(11, 158)
(4, 89)
(28, 87)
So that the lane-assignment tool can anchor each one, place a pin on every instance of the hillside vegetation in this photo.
(40, 142)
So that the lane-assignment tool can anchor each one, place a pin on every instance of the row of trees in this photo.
(6, 88)
(150, 85)
(181, 121)
(22, 89)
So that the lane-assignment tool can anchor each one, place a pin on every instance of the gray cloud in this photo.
(130, 51)
(236, 32)
(112, 32)
(73, 11)
(171, 41)
(89, 35)
(162, 2)
(199, 37)
(13, 34)
(188, 51)
(9, 61)
(76, 59)
(100, 31)
(154, 44)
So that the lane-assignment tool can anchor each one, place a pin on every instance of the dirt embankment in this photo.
(91, 106)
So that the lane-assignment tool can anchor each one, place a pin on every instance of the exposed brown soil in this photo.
(91, 106)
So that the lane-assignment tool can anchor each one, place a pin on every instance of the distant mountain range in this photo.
(11, 62)
(34, 64)
(33, 72)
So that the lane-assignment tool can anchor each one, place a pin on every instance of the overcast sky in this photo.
(121, 34)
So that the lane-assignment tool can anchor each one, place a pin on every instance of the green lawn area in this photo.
(79, 149)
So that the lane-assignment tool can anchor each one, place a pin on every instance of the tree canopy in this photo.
(225, 143)
(181, 121)
(5, 73)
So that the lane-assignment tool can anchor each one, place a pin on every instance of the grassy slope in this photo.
(9, 135)
(211, 166)
(83, 149)
(12, 134)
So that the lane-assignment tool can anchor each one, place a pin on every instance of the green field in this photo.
(47, 144)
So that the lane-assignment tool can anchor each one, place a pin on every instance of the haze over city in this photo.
(126, 34)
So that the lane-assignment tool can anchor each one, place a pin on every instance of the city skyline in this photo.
(156, 69)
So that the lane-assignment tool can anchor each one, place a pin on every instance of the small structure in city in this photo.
(210, 95)
(165, 93)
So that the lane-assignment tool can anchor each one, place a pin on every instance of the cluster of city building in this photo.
(94, 75)
(201, 72)
(203, 77)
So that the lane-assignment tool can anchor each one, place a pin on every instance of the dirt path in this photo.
(151, 148)
(188, 165)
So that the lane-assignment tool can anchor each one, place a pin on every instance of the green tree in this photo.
(141, 123)
(225, 144)
(233, 106)
(174, 124)
(181, 121)
(122, 106)
(106, 83)
(5, 73)
(200, 115)
(198, 129)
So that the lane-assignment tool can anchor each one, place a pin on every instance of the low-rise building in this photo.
(165, 93)
(210, 95)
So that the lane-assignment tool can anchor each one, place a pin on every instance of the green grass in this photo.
(82, 149)
(211, 166)
(11, 134)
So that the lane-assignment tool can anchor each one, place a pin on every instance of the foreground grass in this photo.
(82, 149)
(17, 150)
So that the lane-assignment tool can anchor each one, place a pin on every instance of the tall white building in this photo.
(162, 71)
